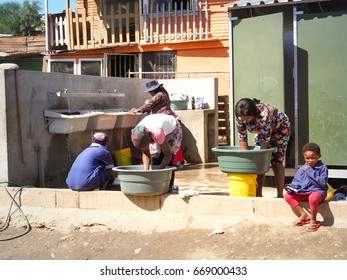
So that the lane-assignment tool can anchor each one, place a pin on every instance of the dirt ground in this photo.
(243, 241)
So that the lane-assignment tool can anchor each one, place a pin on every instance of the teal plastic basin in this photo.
(136, 181)
(232, 159)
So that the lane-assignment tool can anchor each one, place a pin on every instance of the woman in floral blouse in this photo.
(272, 129)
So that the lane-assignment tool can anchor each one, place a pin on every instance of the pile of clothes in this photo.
(340, 193)
(178, 96)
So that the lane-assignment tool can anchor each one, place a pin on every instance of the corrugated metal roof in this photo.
(242, 4)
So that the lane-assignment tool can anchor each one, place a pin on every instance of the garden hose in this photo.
(9, 214)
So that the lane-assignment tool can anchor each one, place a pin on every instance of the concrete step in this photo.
(64, 210)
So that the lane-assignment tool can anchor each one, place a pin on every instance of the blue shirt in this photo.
(89, 170)
(312, 179)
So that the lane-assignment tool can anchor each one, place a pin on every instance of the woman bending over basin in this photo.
(159, 137)
(272, 129)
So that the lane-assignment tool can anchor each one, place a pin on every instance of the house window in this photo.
(62, 66)
(119, 65)
(180, 4)
(162, 64)
(92, 67)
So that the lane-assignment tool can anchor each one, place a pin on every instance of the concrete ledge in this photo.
(117, 201)
(64, 210)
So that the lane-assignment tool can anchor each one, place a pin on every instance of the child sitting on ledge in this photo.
(310, 184)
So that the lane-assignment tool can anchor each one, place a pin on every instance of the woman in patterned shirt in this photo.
(159, 103)
(272, 129)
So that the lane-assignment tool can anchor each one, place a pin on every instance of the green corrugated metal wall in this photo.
(258, 60)
(322, 41)
(322, 79)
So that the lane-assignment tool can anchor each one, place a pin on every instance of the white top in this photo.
(166, 122)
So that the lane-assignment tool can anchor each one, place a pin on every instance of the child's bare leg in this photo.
(314, 224)
(313, 217)
(314, 199)
(301, 213)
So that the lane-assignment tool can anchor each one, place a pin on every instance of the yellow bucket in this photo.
(123, 157)
(242, 184)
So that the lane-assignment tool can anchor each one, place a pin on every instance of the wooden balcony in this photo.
(90, 28)
(163, 24)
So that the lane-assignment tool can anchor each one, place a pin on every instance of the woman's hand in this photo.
(146, 158)
(165, 148)
(265, 145)
(135, 111)
(132, 110)
(243, 145)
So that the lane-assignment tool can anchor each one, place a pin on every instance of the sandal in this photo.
(314, 227)
(300, 223)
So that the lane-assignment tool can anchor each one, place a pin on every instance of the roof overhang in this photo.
(23, 55)
(247, 4)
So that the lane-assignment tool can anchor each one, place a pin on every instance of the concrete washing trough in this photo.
(67, 121)
(104, 120)
(232, 159)
(134, 180)
(124, 118)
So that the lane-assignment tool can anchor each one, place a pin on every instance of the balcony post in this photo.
(67, 25)
(46, 24)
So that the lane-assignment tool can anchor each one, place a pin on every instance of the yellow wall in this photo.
(203, 60)
(213, 61)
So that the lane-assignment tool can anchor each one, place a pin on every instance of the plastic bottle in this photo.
(193, 103)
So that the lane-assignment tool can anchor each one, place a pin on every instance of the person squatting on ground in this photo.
(92, 168)
(272, 128)
(159, 103)
(310, 183)
(159, 137)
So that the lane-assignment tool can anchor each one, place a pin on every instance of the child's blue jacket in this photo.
(311, 179)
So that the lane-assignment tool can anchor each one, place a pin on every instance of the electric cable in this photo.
(9, 214)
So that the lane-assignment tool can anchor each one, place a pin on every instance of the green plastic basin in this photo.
(232, 159)
(179, 104)
(134, 180)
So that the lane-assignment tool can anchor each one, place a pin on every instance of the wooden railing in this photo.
(157, 25)
(57, 32)
(164, 24)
